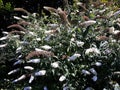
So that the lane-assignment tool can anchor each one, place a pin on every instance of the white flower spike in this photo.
(73, 57)
(37, 49)
(3, 38)
(18, 62)
(55, 64)
(6, 33)
(28, 68)
(46, 47)
(88, 23)
(3, 45)
(53, 26)
(92, 51)
(40, 73)
(85, 72)
(28, 88)
(79, 43)
(93, 71)
(45, 88)
(17, 18)
(26, 17)
(89, 88)
(13, 71)
(94, 78)
(62, 78)
(98, 63)
(116, 13)
(20, 78)
(34, 61)
(31, 79)
(18, 49)
(111, 30)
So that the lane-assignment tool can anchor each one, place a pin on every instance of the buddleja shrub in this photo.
(70, 50)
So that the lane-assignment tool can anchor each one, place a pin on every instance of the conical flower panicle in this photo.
(50, 9)
(22, 10)
(60, 12)
(63, 16)
(3, 45)
(42, 53)
(18, 27)
(24, 23)
(17, 32)
(51, 32)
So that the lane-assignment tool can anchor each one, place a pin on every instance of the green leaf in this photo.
(8, 6)
(1, 4)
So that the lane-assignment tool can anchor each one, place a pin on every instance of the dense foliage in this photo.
(77, 48)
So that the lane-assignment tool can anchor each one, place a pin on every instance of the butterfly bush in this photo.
(70, 50)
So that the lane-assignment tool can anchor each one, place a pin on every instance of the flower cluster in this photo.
(80, 53)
